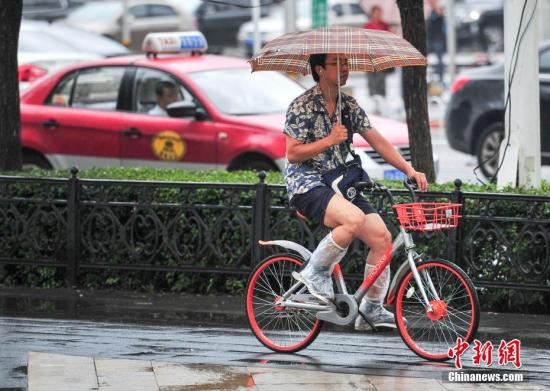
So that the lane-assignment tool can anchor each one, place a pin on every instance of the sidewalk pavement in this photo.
(54, 372)
(130, 307)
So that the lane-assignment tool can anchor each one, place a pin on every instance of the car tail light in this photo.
(30, 72)
(459, 83)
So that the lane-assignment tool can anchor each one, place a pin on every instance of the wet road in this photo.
(378, 354)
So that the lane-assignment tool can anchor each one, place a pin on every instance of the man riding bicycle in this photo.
(316, 143)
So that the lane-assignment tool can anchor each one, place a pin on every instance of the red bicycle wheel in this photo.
(455, 313)
(279, 328)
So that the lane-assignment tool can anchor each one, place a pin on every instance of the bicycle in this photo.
(435, 296)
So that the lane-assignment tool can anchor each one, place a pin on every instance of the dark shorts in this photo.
(313, 203)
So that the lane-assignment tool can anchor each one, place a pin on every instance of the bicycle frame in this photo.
(403, 242)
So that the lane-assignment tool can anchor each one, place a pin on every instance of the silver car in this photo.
(44, 48)
(144, 16)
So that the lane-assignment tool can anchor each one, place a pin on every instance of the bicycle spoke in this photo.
(282, 327)
(430, 334)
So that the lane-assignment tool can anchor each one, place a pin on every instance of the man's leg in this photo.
(375, 235)
(346, 220)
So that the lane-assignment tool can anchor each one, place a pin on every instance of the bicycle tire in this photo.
(279, 329)
(456, 314)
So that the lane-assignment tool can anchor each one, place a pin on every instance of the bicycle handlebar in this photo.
(371, 185)
(412, 186)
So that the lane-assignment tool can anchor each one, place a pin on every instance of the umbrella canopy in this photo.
(366, 50)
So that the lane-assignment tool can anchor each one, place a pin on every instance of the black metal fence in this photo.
(82, 224)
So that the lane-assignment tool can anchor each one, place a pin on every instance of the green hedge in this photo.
(223, 176)
(48, 277)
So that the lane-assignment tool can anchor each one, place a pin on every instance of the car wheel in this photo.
(488, 147)
(35, 160)
(493, 35)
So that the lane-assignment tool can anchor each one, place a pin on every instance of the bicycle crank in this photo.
(342, 312)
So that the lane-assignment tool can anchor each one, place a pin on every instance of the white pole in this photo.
(290, 16)
(125, 38)
(256, 21)
(451, 39)
(522, 117)
(544, 12)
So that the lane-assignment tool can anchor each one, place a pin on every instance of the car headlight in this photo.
(474, 15)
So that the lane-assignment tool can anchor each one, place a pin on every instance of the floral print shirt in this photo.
(307, 120)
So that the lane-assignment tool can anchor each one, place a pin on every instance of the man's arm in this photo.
(393, 157)
(297, 151)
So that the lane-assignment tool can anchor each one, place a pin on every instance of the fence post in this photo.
(455, 236)
(260, 216)
(73, 228)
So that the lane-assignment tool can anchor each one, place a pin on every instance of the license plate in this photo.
(394, 175)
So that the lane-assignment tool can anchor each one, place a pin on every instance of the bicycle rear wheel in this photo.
(455, 309)
(279, 328)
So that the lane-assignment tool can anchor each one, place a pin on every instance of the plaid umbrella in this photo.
(367, 50)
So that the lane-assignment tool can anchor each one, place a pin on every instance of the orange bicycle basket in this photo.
(428, 216)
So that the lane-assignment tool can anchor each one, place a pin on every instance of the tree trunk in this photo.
(415, 92)
(10, 144)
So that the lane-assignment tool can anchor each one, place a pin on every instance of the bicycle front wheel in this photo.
(279, 328)
(454, 309)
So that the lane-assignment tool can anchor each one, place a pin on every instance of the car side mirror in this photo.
(185, 109)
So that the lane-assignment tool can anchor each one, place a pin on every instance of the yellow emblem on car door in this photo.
(168, 145)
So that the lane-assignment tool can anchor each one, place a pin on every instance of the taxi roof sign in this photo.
(176, 42)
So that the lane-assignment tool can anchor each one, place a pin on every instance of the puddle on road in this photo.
(209, 377)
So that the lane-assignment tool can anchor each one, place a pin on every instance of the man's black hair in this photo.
(314, 60)
(162, 85)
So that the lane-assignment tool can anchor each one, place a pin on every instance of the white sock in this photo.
(327, 254)
(379, 289)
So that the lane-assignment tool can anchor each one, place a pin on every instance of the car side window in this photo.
(138, 11)
(356, 9)
(544, 61)
(97, 88)
(61, 95)
(156, 10)
(338, 9)
(146, 85)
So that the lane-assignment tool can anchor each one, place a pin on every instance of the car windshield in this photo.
(40, 41)
(59, 38)
(103, 11)
(246, 93)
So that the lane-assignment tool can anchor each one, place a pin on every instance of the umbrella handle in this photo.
(339, 91)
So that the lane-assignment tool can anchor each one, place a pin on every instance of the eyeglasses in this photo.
(342, 64)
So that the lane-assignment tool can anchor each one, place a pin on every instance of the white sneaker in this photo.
(318, 282)
(377, 315)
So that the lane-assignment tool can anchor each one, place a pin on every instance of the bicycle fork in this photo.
(409, 245)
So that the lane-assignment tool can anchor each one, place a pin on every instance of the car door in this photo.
(152, 140)
(79, 124)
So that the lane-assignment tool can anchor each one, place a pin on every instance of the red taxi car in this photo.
(98, 113)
